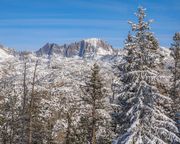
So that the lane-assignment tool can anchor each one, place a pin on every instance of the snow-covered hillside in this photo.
(4, 53)
(61, 75)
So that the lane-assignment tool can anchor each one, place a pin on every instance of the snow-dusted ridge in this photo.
(85, 48)
(4, 53)
(89, 48)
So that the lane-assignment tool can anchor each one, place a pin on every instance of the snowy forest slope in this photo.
(88, 92)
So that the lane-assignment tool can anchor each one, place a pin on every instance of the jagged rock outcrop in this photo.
(85, 48)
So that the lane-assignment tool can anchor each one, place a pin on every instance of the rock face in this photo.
(85, 48)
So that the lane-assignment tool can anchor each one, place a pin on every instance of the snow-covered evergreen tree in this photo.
(175, 92)
(142, 115)
(8, 112)
(95, 123)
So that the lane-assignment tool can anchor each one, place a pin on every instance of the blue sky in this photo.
(29, 24)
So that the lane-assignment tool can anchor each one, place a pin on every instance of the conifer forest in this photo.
(88, 92)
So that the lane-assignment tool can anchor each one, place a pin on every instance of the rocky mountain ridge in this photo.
(84, 48)
(92, 48)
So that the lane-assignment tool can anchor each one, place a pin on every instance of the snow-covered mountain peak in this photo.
(84, 48)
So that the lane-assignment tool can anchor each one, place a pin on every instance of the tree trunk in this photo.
(24, 102)
(68, 129)
(31, 107)
(12, 125)
(93, 138)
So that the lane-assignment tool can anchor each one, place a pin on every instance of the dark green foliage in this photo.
(175, 88)
(93, 97)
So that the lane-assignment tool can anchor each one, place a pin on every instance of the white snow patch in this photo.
(3, 54)
(92, 41)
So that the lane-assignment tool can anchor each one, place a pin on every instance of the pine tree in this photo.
(8, 109)
(175, 92)
(143, 104)
(35, 119)
(24, 108)
(8, 116)
(62, 112)
(93, 96)
(31, 128)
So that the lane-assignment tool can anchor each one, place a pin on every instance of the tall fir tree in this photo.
(143, 103)
(175, 89)
(94, 97)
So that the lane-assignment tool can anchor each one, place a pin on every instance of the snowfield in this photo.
(4, 54)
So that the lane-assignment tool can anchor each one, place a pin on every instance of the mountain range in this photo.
(92, 48)
(87, 48)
